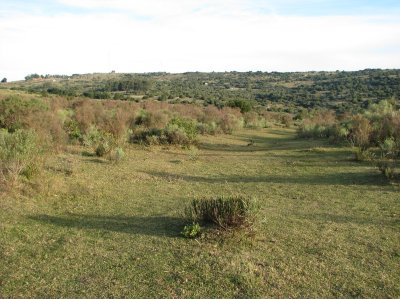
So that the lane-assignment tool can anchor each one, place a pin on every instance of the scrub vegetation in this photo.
(164, 187)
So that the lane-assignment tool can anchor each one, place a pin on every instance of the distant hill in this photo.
(289, 92)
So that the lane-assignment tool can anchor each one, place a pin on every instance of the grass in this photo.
(329, 226)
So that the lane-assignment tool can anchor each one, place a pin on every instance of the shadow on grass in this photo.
(349, 178)
(95, 160)
(256, 143)
(165, 226)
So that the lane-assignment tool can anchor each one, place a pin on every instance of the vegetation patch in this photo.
(19, 155)
(226, 212)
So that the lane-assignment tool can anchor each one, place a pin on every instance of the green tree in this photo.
(243, 105)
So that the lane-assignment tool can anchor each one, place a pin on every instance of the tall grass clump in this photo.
(224, 212)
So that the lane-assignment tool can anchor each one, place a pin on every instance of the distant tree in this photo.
(32, 76)
(4, 80)
(243, 105)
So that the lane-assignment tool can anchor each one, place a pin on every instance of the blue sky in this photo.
(83, 36)
(283, 7)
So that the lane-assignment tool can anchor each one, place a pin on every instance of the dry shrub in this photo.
(88, 113)
(152, 105)
(49, 127)
(188, 111)
(15, 110)
(324, 117)
(287, 120)
(230, 121)
(116, 123)
(269, 116)
(388, 126)
(321, 124)
(360, 132)
(252, 120)
(152, 119)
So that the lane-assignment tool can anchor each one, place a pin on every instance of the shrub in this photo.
(363, 154)
(177, 136)
(148, 137)
(72, 128)
(189, 127)
(229, 123)
(390, 152)
(19, 155)
(103, 143)
(253, 120)
(192, 231)
(118, 154)
(387, 168)
(203, 128)
(320, 125)
(152, 119)
(225, 212)
(15, 109)
(338, 133)
(178, 132)
(360, 132)
(287, 120)
(243, 105)
(106, 145)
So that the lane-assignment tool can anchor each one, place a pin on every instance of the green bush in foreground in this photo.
(191, 231)
(225, 212)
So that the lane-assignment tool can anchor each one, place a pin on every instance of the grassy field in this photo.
(329, 226)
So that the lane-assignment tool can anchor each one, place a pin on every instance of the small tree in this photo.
(243, 105)
(4, 80)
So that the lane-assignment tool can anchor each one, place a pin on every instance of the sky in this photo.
(86, 36)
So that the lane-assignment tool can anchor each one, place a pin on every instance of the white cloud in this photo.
(201, 39)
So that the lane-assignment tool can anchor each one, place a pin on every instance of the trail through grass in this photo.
(329, 226)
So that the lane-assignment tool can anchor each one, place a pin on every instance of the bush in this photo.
(19, 155)
(387, 168)
(189, 127)
(225, 212)
(229, 123)
(178, 132)
(210, 128)
(360, 132)
(149, 137)
(320, 125)
(390, 153)
(102, 143)
(243, 105)
(73, 131)
(363, 154)
(192, 230)
(152, 119)
(14, 111)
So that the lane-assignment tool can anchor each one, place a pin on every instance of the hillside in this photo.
(288, 92)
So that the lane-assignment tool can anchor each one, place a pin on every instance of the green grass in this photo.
(329, 226)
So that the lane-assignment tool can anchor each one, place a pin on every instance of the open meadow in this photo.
(328, 225)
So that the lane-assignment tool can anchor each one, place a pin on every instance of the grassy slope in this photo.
(330, 226)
